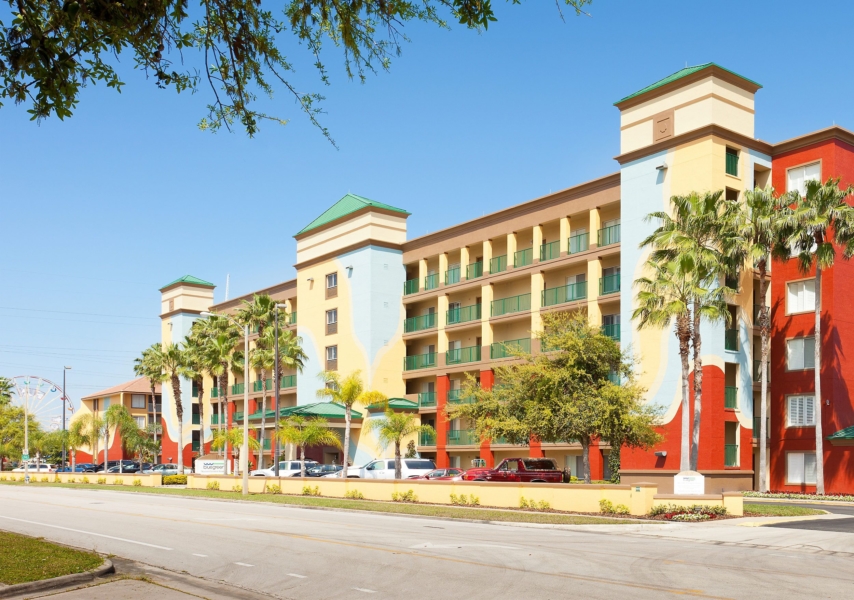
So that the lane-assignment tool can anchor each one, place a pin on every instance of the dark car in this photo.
(129, 468)
(537, 470)
(321, 470)
(78, 468)
(110, 464)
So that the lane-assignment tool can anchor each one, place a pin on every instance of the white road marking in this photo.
(429, 545)
(295, 575)
(244, 564)
(366, 590)
(201, 555)
(111, 537)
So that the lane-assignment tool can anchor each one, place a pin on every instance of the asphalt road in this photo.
(300, 553)
(840, 525)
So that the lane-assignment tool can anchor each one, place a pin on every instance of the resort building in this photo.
(416, 316)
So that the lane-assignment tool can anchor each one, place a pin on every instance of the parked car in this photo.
(36, 468)
(383, 468)
(162, 469)
(97, 468)
(132, 468)
(452, 474)
(529, 470)
(287, 468)
(78, 468)
(323, 470)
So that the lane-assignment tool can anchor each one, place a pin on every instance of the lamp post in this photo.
(64, 400)
(278, 384)
(244, 451)
(26, 454)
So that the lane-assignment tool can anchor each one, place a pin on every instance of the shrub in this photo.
(11, 478)
(85, 479)
(137, 483)
(354, 495)
(175, 480)
(605, 507)
(462, 499)
(72, 480)
(118, 481)
(237, 488)
(621, 509)
(213, 485)
(533, 504)
(690, 517)
(102, 481)
(671, 511)
(274, 489)
(2, 478)
(407, 496)
(310, 491)
(45, 479)
(801, 496)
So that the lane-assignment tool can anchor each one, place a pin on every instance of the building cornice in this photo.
(712, 71)
(816, 137)
(693, 135)
(185, 284)
(178, 311)
(290, 284)
(352, 247)
(348, 216)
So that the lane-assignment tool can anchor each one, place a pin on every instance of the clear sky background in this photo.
(100, 211)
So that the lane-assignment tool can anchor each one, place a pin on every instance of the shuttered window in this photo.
(800, 296)
(800, 411)
(797, 177)
(800, 467)
(800, 353)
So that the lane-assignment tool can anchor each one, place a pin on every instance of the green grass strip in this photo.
(778, 510)
(24, 559)
(429, 510)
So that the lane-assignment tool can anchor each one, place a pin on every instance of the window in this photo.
(332, 321)
(332, 353)
(796, 178)
(332, 280)
(137, 401)
(732, 162)
(800, 296)
(800, 467)
(140, 422)
(800, 411)
(539, 464)
(800, 353)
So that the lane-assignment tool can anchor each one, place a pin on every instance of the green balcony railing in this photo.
(580, 242)
(238, 416)
(292, 318)
(474, 270)
(214, 392)
(452, 276)
(608, 235)
(523, 258)
(498, 264)
(258, 386)
(462, 437)
(196, 446)
(513, 304)
(730, 397)
(410, 286)
(267, 443)
(463, 314)
(509, 348)
(237, 388)
(732, 164)
(427, 439)
(214, 419)
(427, 399)
(550, 250)
(197, 419)
(462, 355)
(612, 331)
(614, 378)
(564, 293)
(195, 391)
(730, 455)
(756, 421)
(288, 381)
(421, 323)
(419, 361)
(731, 339)
(431, 282)
(456, 397)
(757, 365)
(609, 284)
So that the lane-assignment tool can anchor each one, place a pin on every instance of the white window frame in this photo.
(334, 352)
(332, 277)
(803, 173)
(801, 295)
(799, 355)
(140, 422)
(134, 398)
(800, 462)
(798, 412)
(332, 313)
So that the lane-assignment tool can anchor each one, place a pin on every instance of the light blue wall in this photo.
(181, 324)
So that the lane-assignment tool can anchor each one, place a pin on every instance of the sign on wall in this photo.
(210, 466)
(689, 483)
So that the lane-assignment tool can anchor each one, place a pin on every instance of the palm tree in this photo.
(393, 429)
(119, 418)
(79, 435)
(6, 389)
(232, 437)
(150, 365)
(195, 366)
(221, 355)
(812, 227)
(291, 358)
(303, 432)
(174, 358)
(345, 391)
(89, 429)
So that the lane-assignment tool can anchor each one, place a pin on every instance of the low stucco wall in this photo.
(569, 497)
(717, 482)
(732, 501)
(112, 478)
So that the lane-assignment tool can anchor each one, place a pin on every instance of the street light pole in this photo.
(64, 400)
(27, 434)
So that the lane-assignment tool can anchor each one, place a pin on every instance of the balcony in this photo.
(732, 163)
(427, 400)
(756, 309)
(498, 264)
(614, 378)
(463, 437)
(474, 270)
(195, 391)
(579, 242)
(427, 439)
(464, 314)
(456, 397)
(550, 251)
(292, 318)
(410, 286)
(152, 407)
(523, 258)
(510, 348)
(513, 304)
(608, 235)
(731, 340)
(452, 276)
(258, 386)
(612, 330)
(431, 282)
(419, 361)
(609, 284)
(288, 381)
(565, 293)
(237, 388)
(731, 455)
(214, 419)
(197, 419)
(462, 355)
(421, 323)
(756, 421)
(195, 446)
(267, 443)
(730, 397)
(757, 366)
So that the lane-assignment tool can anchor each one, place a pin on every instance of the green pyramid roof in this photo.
(395, 404)
(679, 75)
(190, 279)
(345, 206)
(327, 410)
(843, 434)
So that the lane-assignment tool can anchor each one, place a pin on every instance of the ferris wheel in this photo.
(43, 401)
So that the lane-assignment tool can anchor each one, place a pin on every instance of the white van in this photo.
(383, 468)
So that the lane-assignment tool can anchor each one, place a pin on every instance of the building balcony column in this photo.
(443, 384)
(594, 274)
(564, 236)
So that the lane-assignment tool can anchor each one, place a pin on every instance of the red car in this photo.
(442, 474)
(529, 470)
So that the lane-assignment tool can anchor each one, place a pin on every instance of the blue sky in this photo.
(103, 209)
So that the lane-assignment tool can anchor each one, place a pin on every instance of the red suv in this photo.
(528, 470)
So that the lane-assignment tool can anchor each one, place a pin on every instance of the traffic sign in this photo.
(25, 457)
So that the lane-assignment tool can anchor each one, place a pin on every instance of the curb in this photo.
(755, 500)
(57, 582)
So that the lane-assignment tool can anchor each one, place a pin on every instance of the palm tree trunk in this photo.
(683, 334)
(302, 460)
(347, 409)
(698, 386)
(764, 329)
(585, 457)
(819, 442)
(73, 460)
(201, 384)
(223, 404)
(397, 470)
(154, 410)
(263, 418)
(179, 409)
